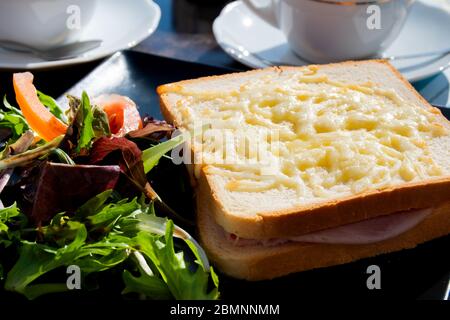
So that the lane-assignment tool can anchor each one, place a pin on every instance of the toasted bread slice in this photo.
(374, 106)
(267, 262)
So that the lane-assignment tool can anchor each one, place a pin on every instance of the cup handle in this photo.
(263, 9)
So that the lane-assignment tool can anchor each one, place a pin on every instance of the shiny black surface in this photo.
(137, 75)
(418, 273)
(185, 33)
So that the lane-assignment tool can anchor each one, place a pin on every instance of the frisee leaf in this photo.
(93, 205)
(102, 235)
(37, 259)
(147, 283)
(182, 282)
(104, 254)
(112, 212)
(13, 119)
(11, 221)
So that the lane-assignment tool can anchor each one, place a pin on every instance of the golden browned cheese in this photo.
(322, 138)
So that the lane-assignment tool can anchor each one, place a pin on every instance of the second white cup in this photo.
(44, 24)
(324, 31)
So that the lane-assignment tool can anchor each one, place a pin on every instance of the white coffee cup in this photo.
(44, 24)
(330, 30)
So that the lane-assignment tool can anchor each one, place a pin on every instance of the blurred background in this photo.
(185, 32)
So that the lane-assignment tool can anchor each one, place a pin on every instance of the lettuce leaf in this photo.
(153, 130)
(13, 119)
(80, 183)
(38, 259)
(11, 221)
(28, 156)
(183, 283)
(52, 106)
(127, 154)
(84, 120)
(87, 122)
(152, 155)
(146, 283)
(105, 233)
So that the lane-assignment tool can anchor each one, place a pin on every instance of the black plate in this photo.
(418, 273)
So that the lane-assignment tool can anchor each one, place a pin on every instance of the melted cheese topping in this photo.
(320, 137)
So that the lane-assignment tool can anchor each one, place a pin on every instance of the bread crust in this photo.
(305, 219)
(257, 262)
(313, 217)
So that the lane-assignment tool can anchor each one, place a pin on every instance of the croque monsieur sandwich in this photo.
(298, 168)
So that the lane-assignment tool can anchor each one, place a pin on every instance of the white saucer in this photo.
(119, 24)
(251, 41)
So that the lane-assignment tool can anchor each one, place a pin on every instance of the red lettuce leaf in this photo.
(63, 187)
(153, 129)
(116, 150)
(125, 153)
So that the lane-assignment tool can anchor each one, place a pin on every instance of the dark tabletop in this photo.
(185, 33)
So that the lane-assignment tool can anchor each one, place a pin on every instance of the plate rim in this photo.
(125, 53)
(129, 51)
(412, 76)
(45, 65)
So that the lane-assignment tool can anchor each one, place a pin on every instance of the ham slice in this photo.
(364, 232)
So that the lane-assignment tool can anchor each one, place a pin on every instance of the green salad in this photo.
(75, 200)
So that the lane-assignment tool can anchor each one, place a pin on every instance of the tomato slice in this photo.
(123, 115)
(39, 118)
